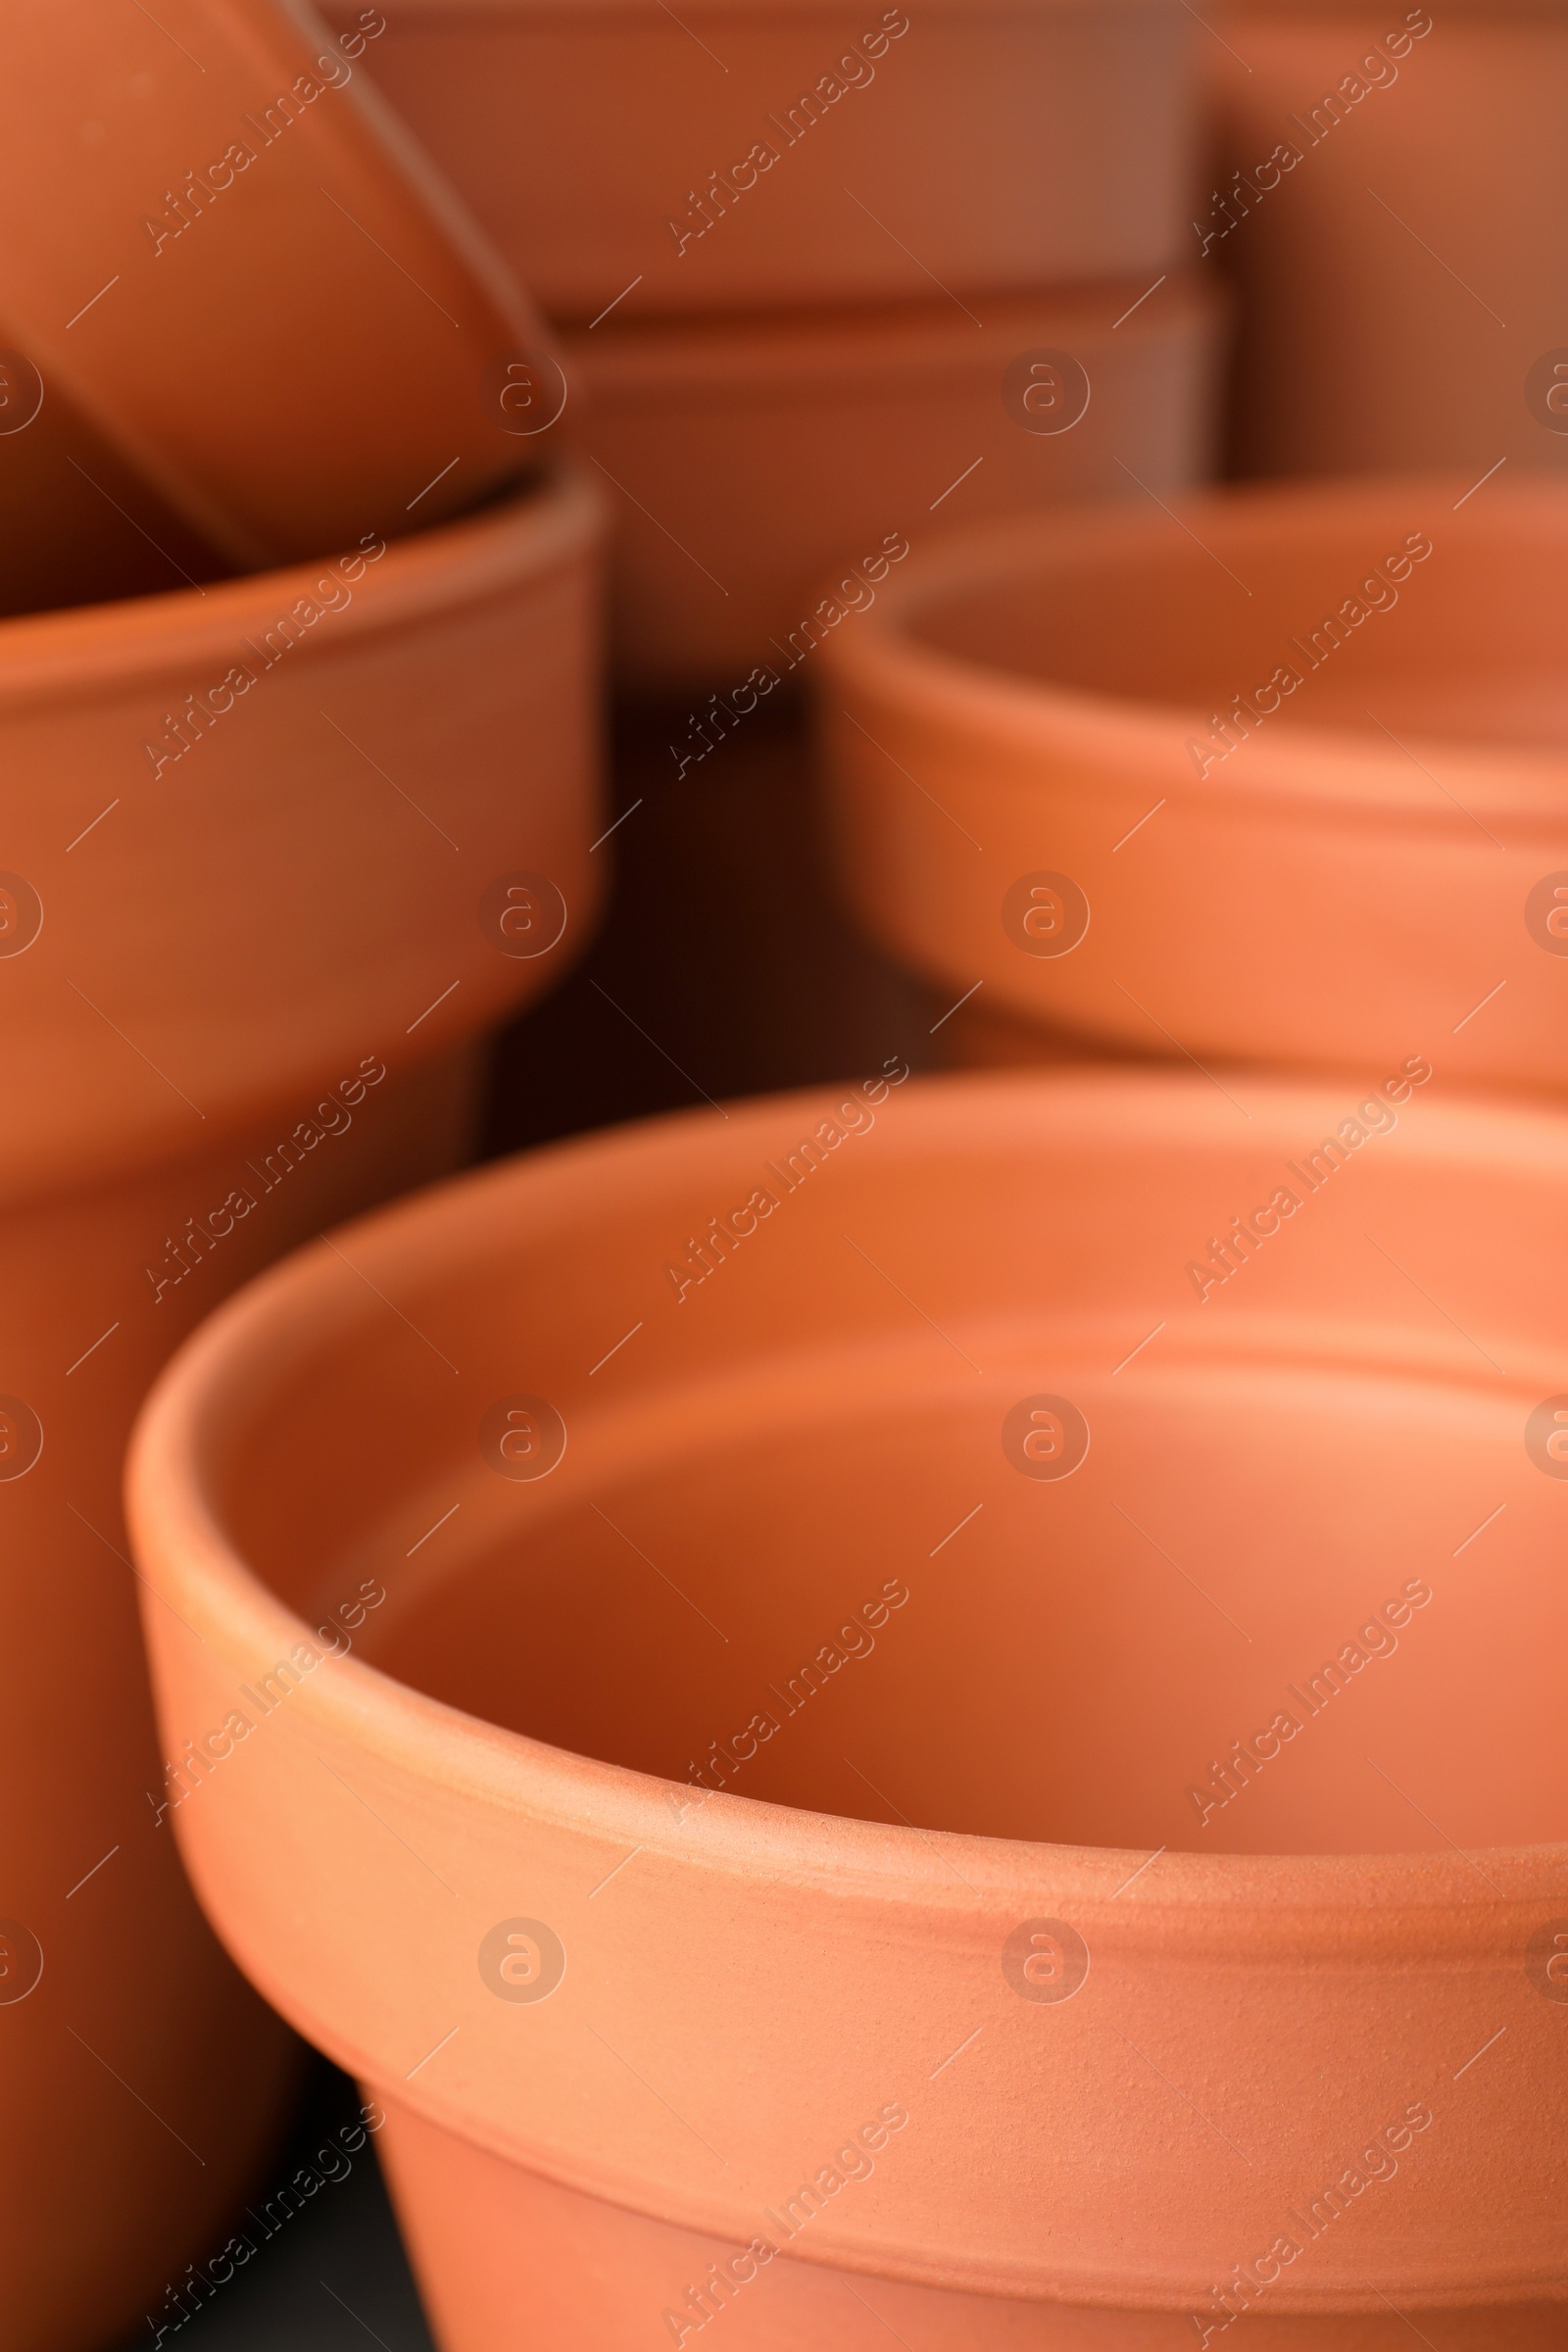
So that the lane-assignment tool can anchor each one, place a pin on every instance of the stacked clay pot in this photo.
(937, 1666)
(825, 278)
(816, 263)
(1386, 197)
(1276, 778)
(277, 851)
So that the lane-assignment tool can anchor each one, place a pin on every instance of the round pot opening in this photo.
(908, 1511)
(1378, 611)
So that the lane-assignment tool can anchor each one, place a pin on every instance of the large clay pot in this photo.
(1274, 777)
(261, 831)
(735, 156)
(749, 456)
(895, 1721)
(1388, 192)
(248, 282)
(218, 970)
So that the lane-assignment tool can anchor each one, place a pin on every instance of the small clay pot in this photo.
(1387, 197)
(748, 456)
(249, 282)
(893, 1719)
(734, 156)
(1275, 776)
(263, 830)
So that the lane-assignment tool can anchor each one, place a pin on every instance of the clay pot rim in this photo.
(1372, 1902)
(1324, 770)
(419, 13)
(91, 651)
(720, 355)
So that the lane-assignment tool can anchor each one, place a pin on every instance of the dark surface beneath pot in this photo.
(329, 2277)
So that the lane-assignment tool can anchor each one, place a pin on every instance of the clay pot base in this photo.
(551, 2266)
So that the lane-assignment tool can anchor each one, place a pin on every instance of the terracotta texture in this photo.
(1257, 780)
(751, 455)
(816, 1724)
(282, 848)
(190, 157)
(142, 2084)
(771, 151)
(1388, 193)
(316, 789)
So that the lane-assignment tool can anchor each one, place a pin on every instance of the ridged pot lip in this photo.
(1329, 770)
(88, 652)
(1375, 1907)
(590, 14)
(705, 355)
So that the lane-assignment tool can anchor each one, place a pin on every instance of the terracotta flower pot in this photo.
(739, 155)
(751, 455)
(1275, 777)
(343, 805)
(142, 2084)
(255, 929)
(807, 1833)
(1386, 193)
(192, 158)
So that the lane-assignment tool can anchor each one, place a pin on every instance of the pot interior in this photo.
(1461, 642)
(807, 1542)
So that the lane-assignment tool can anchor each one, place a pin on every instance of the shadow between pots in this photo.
(327, 2269)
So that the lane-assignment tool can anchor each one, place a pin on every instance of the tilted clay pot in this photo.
(239, 983)
(750, 454)
(1277, 776)
(735, 156)
(908, 1708)
(1386, 193)
(193, 158)
(78, 526)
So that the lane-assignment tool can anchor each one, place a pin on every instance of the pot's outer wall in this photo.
(1012, 146)
(141, 2081)
(782, 1977)
(310, 857)
(1364, 871)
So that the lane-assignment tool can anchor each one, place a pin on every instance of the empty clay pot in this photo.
(1388, 189)
(261, 831)
(248, 282)
(738, 154)
(905, 1706)
(748, 456)
(1276, 776)
(284, 849)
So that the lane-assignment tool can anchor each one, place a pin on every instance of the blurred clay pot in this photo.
(1278, 777)
(736, 157)
(194, 159)
(259, 831)
(750, 454)
(259, 929)
(143, 2086)
(1389, 189)
(78, 524)
(798, 1650)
